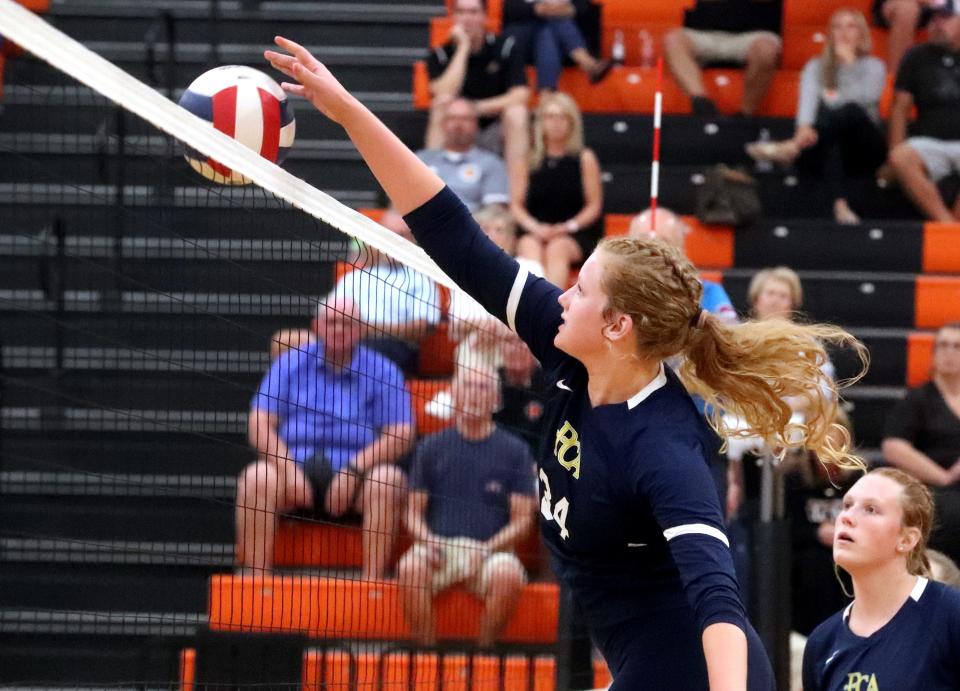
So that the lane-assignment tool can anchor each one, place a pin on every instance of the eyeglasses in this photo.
(947, 345)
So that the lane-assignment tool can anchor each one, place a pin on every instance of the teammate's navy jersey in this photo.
(919, 648)
(628, 506)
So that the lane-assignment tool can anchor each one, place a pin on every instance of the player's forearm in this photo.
(405, 178)
(725, 649)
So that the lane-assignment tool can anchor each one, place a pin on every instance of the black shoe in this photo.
(704, 107)
(601, 72)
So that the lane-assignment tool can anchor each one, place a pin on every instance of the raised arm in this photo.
(439, 220)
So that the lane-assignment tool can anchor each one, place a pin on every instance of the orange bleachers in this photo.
(937, 301)
(706, 246)
(38, 6)
(919, 357)
(817, 12)
(340, 608)
(650, 11)
(941, 251)
(188, 669)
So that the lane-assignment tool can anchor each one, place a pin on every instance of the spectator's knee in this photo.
(676, 42)
(414, 567)
(559, 247)
(903, 157)
(503, 574)
(384, 482)
(257, 482)
(764, 52)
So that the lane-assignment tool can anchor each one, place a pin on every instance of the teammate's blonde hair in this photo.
(916, 501)
(574, 143)
(747, 369)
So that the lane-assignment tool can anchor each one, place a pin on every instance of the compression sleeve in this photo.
(677, 482)
(446, 231)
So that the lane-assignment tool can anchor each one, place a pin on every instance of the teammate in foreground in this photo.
(902, 631)
(627, 504)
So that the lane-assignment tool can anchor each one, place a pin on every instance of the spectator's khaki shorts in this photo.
(941, 157)
(723, 46)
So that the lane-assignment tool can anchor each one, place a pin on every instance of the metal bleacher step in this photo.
(39, 621)
(68, 484)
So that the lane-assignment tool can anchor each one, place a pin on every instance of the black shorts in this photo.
(320, 474)
(881, 21)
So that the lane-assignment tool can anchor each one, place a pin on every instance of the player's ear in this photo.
(619, 327)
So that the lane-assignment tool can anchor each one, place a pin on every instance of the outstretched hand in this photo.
(314, 81)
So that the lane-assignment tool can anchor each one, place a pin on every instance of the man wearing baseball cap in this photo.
(927, 150)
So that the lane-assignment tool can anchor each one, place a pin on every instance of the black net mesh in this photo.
(216, 461)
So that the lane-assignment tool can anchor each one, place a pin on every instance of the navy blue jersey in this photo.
(628, 506)
(469, 482)
(919, 648)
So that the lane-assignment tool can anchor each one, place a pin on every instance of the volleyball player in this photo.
(627, 504)
(902, 630)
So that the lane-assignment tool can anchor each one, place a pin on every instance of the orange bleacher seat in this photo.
(422, 391)
(309, 543)
(601, 675)
(706, 246)
(649, 11)
(937, 301)
(188, 669)
(38, 6)
(341, 608)
(941, 251)
(919, 357)
(817, 12)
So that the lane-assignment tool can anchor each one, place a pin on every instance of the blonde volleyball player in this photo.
(627, 504)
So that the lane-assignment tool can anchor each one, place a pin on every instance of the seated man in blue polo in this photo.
(471, 502)
(478, 177)
(329, 422)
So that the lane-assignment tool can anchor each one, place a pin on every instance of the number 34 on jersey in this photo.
(566, 449)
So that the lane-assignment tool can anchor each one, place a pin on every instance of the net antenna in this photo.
(73, 58)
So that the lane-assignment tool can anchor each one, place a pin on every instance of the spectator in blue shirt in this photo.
(471, 502)
(329, 421)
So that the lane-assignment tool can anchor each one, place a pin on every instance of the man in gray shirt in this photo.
(477, 176)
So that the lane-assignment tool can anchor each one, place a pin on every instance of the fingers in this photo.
(295, 89)
(280, 62)
(300, 53)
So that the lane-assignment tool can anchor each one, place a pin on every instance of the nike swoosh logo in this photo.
(830, 659)
(561, 385)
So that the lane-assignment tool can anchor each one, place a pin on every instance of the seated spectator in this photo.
(673, 230)
(398, 306)
(472, 502)
(744, 32)
(898, 614)
(902, 18)
(559, 205)
(477, 176)
(838, 130)
(329, 421)
(489, 70)
(775, 293)
(929, 80)
(922, 436)
(546, 32)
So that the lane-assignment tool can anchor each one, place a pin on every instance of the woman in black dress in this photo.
(558, 207)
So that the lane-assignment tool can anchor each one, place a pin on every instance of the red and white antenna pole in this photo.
(655, 165)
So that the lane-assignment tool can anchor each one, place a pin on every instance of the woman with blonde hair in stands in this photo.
(902, 630)
(628, 508)
(559, 205)
(838, 131)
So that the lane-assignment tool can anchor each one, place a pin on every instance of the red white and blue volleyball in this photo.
(247, 105)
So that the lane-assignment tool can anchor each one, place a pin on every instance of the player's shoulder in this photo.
(942, 598)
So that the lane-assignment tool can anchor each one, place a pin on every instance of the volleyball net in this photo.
(238, 424)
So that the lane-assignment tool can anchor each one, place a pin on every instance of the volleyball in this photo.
(247, 105)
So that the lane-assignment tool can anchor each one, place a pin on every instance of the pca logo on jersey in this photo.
(568, 440)
(857, 681)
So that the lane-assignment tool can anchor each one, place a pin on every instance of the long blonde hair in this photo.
(572, 112)
(745, 370)
(828, 59)
(918, 512)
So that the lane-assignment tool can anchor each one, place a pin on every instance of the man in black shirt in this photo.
(744, 32)
(489, 70)
(929, 78)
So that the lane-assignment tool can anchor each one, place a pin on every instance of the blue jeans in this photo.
(545, 43)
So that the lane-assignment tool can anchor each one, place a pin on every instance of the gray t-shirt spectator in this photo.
(861, 82)
(477, 176)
